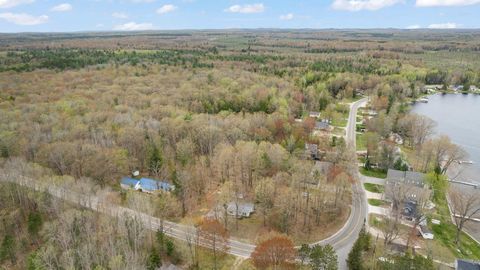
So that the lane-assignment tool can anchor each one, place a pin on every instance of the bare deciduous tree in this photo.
(464, 205)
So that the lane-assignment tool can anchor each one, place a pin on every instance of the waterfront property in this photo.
(406, 186)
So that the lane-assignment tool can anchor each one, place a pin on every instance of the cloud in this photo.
(443, 26)
(286, 17)
(445, 3)
(23, 18)
(12, 3)
(166, 9)
(357, 5)
(133, 26)
(62, 7)
(252, 8)
(120, 15)
(414, 26)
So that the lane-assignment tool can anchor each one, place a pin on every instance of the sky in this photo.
(129, 15)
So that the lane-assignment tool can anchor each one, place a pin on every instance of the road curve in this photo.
(342, 240)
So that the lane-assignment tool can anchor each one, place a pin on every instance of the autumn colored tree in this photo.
(277, 252)
(213, 235)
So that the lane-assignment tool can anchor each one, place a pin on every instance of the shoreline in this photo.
(466, 173)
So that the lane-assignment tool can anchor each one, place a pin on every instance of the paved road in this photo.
(179, 231)
(342, 241)
(346, 237)
(372, 180)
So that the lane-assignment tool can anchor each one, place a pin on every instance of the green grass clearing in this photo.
(377, 202)
(374, 188)
(361, 143)
(373, 173)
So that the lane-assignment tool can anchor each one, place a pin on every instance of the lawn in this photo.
(374, 188)
(340, 122)
(445, 232)
(373, 173)
(361, 144)
(377, 202)
(339, 131)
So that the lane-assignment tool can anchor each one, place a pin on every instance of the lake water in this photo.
(457, 116)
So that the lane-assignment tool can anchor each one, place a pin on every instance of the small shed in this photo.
(240, 209)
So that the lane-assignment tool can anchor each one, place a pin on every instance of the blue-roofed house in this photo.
(152, 185)
(145, 185)
(129, 183)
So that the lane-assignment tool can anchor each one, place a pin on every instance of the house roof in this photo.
(408, 177)
(311, 147)
(129, 181)
(322, 125)
(152, 184)
(242, 207)
(467, 265)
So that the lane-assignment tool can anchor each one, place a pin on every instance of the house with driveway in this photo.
(406, 186)
(407, 191)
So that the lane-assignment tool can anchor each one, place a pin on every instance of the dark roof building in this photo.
(408, 177)
(322, 125)
(311, 150)
(409, 184)
(461, 264)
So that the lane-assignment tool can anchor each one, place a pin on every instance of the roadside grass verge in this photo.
(374, 188)
(377, 202)
(361, 143)
(373, 173)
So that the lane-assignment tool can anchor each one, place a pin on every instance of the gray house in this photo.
(311, 151)
(409, 185)
(240, 209)
(323, 125)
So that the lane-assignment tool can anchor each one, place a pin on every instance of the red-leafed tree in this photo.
(276, 252)
(213, 235)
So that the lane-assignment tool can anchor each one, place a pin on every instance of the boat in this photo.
(423, 100)
(466, 162)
